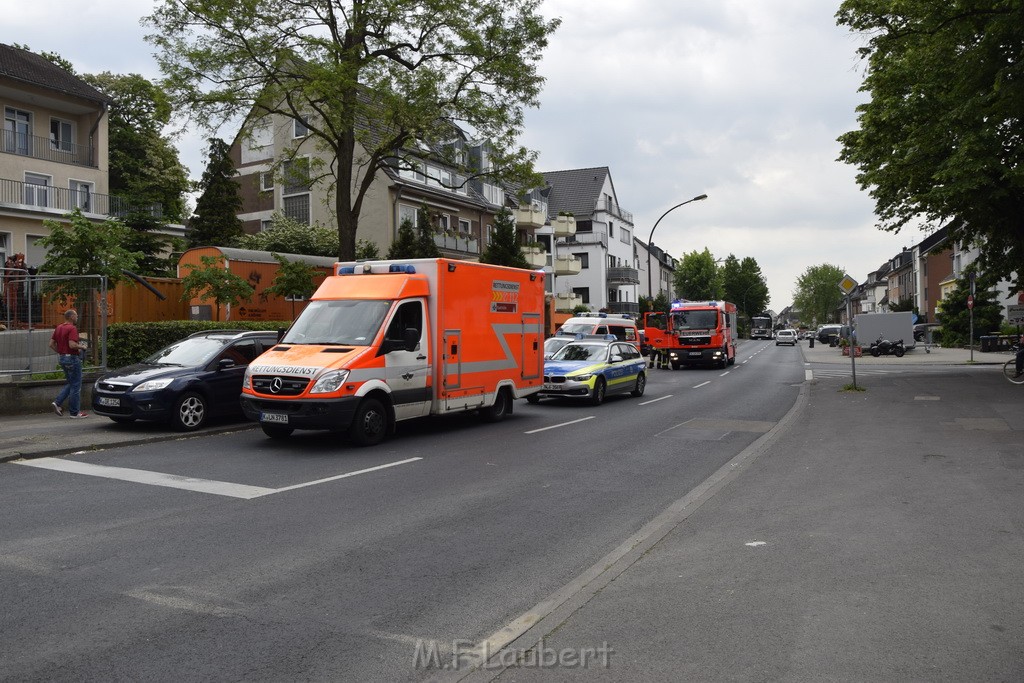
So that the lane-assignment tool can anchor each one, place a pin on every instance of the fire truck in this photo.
(693, 333)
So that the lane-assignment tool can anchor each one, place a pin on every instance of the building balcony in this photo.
(48, 150)
(622, 307)
(567, 265)
(612, 207)
(535, 256)
(564, 226)
(567, 301)
(47, 198)
(457, 243)
(531, 217)
(623, 276)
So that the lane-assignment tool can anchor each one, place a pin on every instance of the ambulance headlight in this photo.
(330, 382)
(247, 379)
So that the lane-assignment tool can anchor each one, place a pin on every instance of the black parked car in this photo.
(184, 383)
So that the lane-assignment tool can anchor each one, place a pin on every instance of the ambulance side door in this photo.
(408, 372)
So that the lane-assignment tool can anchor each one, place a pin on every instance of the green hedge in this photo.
(129, 343)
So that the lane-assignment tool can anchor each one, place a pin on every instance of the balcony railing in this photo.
(17, 193)
(620, 307)
(623, 276)
(457, 243)
(614, 209)
(47, 149)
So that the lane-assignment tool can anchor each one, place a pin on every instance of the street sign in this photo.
(847, 284)
(1015, 315)
(970, 301)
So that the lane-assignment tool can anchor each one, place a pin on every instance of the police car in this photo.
(592, 368)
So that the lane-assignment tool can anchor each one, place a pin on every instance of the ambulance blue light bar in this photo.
(374, 268)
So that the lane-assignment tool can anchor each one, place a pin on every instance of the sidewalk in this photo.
(870, 536)
(935, 355)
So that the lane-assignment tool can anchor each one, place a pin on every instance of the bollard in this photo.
(812, 342)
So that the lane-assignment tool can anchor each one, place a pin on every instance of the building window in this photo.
(408, 213)
(81, 194)
(584, 258)
(583, 293)
(255, 147)
(5, 246)
(465, 227)
(17, 131)
(296, 207)
(611, 230)
(444, 222)
(61, 136)
(37, 189)
(266, 224)
(266, 181)
(624, 236)
(489, 231)
(300, 129)
(296, 175)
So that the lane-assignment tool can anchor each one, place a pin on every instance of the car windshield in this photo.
(553, 344)
(353, 322)
(187, 352)
(577, 328)
(694, 320)
(577, 351)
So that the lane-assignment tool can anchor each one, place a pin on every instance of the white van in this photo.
(623, 328)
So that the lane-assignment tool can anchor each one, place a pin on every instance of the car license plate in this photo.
(549, 387)
(279, 418)
(112, 402)
(694, 353)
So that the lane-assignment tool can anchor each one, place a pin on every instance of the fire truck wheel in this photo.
(675, 365)
(276, 432)
(369, 424)
(597, 398)
(501, 409)
(641, 384)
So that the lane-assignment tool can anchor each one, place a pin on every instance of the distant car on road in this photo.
(184, 383)
(592, 368)
(785, 337)
(826, 331)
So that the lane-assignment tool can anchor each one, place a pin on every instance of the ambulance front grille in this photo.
(275, 385)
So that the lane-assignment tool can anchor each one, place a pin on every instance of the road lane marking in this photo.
(561, 424)
(174, 481)
(808, 375)
(655, 400)
(702, 384)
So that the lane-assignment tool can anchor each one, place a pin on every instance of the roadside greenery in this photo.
(817, 294)
(504, 250)
(215, 221)
(294, 280)
(129, 343)
(956, 317)
(211, 279)
(697, 277)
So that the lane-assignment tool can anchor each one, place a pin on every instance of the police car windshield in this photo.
(694, 320)
(580, 351)
(345, 322)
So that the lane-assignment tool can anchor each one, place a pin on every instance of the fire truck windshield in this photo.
(694, 320)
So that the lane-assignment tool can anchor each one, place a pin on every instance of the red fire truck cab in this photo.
(694, 333)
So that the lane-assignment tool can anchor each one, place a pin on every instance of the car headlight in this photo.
(581, 378)
(154, 384)
(247, 379)
(330, 382)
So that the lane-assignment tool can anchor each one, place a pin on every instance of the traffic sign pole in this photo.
(847, 285)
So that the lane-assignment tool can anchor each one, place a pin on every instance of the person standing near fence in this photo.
(66, 343)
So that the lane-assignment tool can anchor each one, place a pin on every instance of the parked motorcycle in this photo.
(884, 347)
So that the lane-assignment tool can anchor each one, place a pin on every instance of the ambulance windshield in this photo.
(345, 322)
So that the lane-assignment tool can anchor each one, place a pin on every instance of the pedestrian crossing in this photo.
(844, 372)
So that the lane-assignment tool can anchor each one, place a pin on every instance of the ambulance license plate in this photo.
(279, 418)
(112, 402)
(694, 353)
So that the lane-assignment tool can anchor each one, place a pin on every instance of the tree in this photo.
(504, 249)
(697, 278)
(289, 236)
(905, 303)
(817, 294)
(413, 69)
(215, 221)
(956, 317)
(744, 285)
(211, 279)
(939, 137)
(294, 280)
(404, 245)
(365, 249)
(425, 245)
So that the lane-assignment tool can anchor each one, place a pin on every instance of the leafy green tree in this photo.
(413, 69)
(904, 304)
(294, 280)
(404, 245)
(366, 250)
(940, 132)
(817, 294)
(504, 249)
(212, 280)
(288, 236)
(215, 222)
(956, 317)
(425, 245)
(744, 285)
(696, 278)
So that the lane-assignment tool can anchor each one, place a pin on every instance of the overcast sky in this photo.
(737, 99)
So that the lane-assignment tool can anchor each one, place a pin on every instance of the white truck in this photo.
(890, 326)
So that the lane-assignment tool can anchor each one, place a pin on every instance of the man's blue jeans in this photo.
(72, 391)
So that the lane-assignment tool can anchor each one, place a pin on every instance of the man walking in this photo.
(66, 344)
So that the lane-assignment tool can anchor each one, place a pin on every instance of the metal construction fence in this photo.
(33, 305)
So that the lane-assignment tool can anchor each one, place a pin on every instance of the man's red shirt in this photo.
(65, 332)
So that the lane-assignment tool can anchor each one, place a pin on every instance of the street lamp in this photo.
(650, 242)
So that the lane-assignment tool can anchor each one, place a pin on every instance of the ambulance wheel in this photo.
(276, 432)
(369, 424)
(501, 409)
(597, 398)
(641, 384)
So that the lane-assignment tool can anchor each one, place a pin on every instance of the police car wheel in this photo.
(597, 398)
(641, 384)
(369, 424)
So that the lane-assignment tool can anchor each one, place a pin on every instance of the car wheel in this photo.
(501, 408)
(641, 384)
(190, 412)
(276, 431)
(533, 399)
(123, 420)
(369, 424)
(597, 398)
